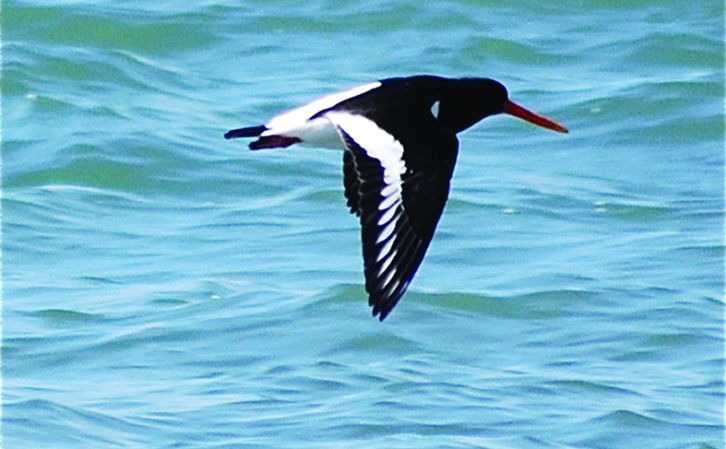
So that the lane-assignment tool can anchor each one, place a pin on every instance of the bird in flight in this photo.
(399, 143)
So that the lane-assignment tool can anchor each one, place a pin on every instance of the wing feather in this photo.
(389, 196)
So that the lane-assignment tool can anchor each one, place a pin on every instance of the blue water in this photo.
(165, 288)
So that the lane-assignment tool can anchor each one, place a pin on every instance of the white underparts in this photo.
(317, 132)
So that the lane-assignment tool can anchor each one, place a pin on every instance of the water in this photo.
(165, 288)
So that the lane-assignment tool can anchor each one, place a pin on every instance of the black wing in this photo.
(399, 202)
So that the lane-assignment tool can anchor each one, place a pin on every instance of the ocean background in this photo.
(165, 288)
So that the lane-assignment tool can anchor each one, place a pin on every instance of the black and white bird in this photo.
(400, 147)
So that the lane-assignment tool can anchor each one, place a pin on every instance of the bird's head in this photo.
(473, 99)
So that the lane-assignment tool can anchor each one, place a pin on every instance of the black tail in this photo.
(262, 142)
(252, 131)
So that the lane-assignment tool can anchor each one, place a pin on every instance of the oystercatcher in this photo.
(400, 147)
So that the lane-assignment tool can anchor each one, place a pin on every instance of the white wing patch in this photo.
(382, 146)
(435, 109)
(377, 144)
(296, 122)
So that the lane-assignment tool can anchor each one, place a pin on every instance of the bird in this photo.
(398, 137)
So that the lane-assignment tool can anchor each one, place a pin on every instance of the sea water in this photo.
(165, 288)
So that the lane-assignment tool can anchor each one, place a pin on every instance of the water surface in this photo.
(163, 287)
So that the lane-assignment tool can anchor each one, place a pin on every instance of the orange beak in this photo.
(516, 110)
